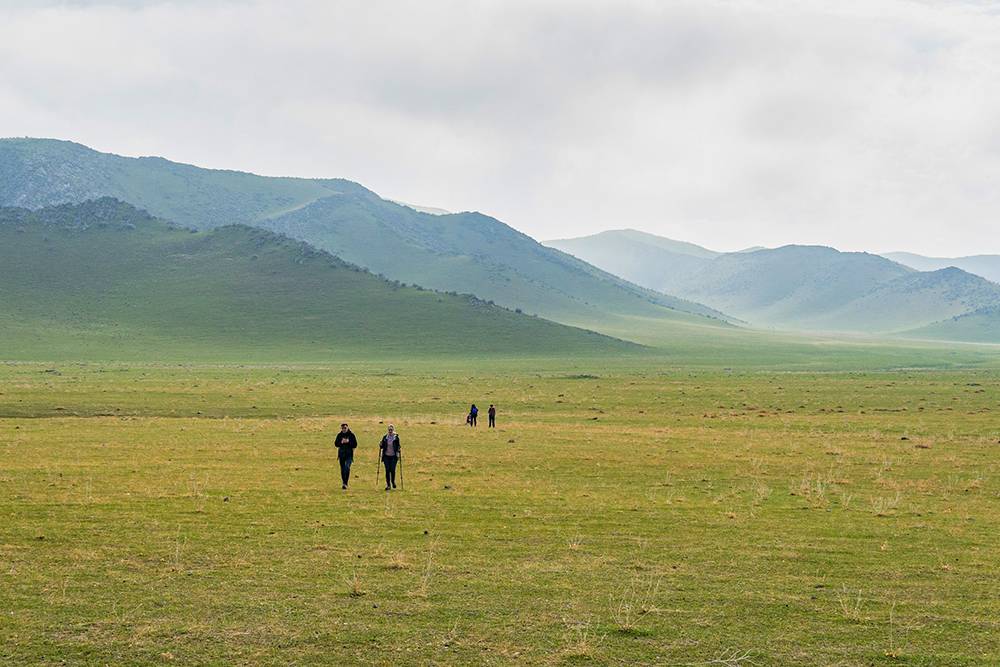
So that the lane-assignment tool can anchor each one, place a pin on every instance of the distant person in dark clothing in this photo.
(492, 414)
(473, 413)
(346, 444)
(389, 448)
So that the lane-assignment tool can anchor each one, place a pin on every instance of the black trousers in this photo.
(472, 419)
(345, 470)
(390, 469)
(493, 421)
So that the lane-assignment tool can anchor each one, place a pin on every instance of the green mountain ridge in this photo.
(462, 253)
(103, 280)
(35, 173)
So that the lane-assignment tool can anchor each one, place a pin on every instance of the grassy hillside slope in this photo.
(979, 326)
(912, 299)
(102, 280)
(463, 253)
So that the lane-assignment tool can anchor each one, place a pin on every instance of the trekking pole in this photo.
(378, 468)
(401, 470)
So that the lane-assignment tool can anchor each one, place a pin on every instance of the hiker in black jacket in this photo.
(389, 449)
(346, 444)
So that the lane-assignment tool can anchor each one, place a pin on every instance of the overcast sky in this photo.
(870, 125)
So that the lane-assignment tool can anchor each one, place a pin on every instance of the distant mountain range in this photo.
(625, 283)
(103, 280)
(987, 266)
(462, 253)
(804, 287)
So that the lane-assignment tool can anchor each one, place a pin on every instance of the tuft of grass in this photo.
(851, 604)
(423, 588)
(885, 505)
(398, 562)
(581, 641)
(633, 602)
(354, 588)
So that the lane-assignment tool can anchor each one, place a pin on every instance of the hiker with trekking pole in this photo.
(390, 454)
(346, 444)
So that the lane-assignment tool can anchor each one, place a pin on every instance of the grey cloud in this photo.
(857, 124)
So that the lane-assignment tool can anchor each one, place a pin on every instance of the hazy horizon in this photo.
(866, 126)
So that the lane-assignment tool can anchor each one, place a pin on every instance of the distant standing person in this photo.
(492, 414)
(473, 413)
(389, 448)
(346, 444)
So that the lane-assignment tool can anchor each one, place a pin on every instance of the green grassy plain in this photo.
(621, 514)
